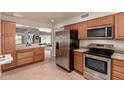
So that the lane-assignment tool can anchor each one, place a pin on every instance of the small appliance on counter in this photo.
(97, 64)
(66, 42)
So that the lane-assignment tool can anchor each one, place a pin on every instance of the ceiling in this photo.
(44, 17)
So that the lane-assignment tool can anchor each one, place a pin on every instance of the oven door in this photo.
(97, 66)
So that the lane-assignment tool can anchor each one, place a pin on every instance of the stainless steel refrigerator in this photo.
(66, 42)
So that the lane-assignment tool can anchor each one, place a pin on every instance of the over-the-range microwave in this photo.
(100, 32)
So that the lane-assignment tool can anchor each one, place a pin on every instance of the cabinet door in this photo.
(82, 28)
(9, 28)
(107, 20)
(78, 62)
(67, 27)
(117, 69)
(101, 21)
(0, 38)
(8, 44)
(74, 27)
(119, 26)
(93, 22)
(39, 54)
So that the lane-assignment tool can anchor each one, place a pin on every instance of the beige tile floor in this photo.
(46, 70)
(41, 71)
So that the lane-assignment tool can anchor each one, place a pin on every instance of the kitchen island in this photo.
(31, 54)
(26, 55)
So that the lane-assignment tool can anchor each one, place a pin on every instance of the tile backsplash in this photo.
(118, 44)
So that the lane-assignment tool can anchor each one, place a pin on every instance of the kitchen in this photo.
(98, 53)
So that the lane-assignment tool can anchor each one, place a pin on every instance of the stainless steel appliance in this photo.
(66, 42)
(97, 63)
(100, 32)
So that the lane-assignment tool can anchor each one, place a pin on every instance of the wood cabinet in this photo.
(67, 27)
(0, 38)
(82, 28)
(25, 56)
(8, 32)
(117, 69)
(78, 62)
(74, 27)
(101, 21)
(119, 26)
(39, 54)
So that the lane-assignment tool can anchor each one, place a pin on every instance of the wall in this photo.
(119, 44)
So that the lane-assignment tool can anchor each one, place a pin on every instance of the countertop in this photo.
(118, 56)
(20, 47)
(81, 50)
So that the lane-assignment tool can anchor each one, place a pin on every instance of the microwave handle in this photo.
(106, 32)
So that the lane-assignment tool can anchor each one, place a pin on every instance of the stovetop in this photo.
(100, 52)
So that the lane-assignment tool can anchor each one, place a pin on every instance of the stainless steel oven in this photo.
(96, 67)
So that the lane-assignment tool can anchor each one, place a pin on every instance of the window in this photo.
(19, 39)
(45, 39)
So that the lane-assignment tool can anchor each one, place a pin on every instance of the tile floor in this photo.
(41, 71)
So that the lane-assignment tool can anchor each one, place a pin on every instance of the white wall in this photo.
(77, 19)
(119, 44)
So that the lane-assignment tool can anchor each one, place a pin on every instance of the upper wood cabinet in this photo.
(8, 36)
(9, 28)
(101, 21)
(67, 27)
(119, 26)
(74, 27)
(82, 28)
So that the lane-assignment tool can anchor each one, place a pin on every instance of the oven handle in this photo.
(98, 58)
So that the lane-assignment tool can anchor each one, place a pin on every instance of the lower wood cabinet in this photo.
(117, 69)
(25, 57)
(38, 54)
(78, 61)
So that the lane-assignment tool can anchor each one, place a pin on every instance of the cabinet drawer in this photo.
(24, 61)
(25, 55)
(78, 53)
(118, 63)
(118, 75)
